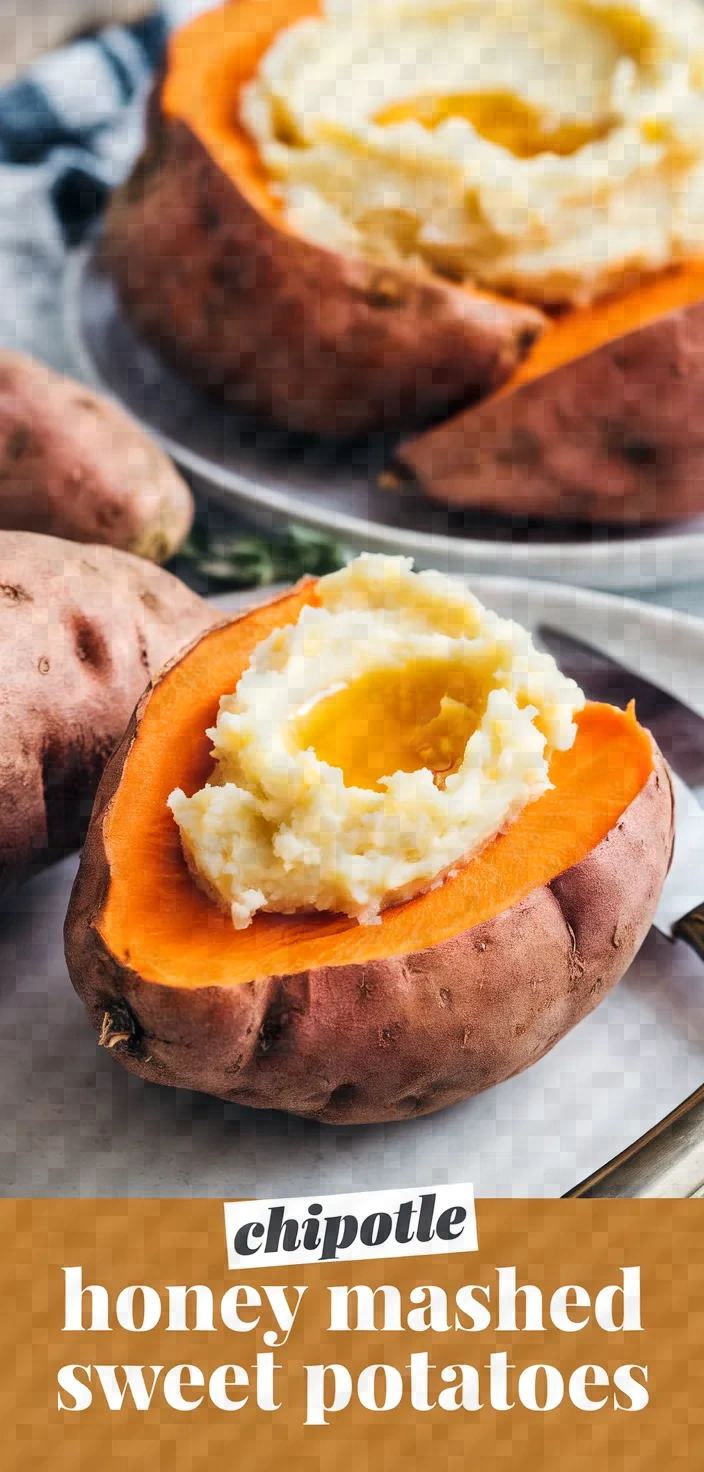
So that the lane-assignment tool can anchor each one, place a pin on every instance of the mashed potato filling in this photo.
(551, 148)
(372, 747)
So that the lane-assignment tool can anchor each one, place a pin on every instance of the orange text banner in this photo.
(572, 1339)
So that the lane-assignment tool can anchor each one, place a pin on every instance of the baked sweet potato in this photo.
(604, 423)
(600, 423)
(214, 275)
(75, 465)
(82, 629)
(452, 992)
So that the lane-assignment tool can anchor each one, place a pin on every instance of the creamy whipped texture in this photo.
(551, 148)
(393, 667)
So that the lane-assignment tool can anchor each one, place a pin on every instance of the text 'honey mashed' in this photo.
(371, 747)
(549, 148)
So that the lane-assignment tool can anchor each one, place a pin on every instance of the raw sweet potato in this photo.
(452, 992)
(75, 465)
(82, 629)
(214, 275)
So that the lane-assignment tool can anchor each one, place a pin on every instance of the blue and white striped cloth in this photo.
(70, 129)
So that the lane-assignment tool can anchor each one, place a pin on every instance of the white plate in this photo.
(271, 478)
(72, 1122)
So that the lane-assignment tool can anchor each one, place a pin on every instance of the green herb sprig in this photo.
(216, 558)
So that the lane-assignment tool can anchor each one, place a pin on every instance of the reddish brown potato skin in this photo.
(74, 465)
(82, 630)
(311, 339)
(390, 1039)
(615, 436)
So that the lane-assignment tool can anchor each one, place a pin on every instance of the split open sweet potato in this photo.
(454, 991)
(602, 422)
(212, 273)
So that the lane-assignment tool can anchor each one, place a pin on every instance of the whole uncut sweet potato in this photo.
(75, 465)
(82, 630)
(454, 990)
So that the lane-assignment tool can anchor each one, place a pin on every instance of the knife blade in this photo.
(668, 1161)
(678, 730)
(681, 898)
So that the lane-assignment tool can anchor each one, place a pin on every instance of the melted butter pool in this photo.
(396, 720)
(501, 118)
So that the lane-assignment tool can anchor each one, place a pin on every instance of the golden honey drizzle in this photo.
(396, 720)
(501, 118)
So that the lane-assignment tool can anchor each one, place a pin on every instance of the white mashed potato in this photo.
(372, 747)
(552, 148)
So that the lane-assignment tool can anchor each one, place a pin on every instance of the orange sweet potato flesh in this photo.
(211, 273)
(454, 991)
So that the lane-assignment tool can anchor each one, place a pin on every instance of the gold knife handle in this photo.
(669, 1159)
(667, 1162)
(691, 929)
